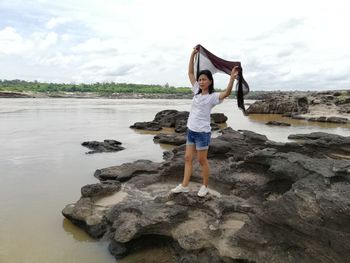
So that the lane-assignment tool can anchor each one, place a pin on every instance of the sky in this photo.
(282, 45)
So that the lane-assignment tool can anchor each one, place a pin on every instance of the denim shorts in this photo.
(200, 139)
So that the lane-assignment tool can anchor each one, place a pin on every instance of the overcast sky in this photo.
(283, 45)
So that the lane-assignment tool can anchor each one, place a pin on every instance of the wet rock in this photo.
(320, 144)
(105, 146)
(172, 139)
(337, 120)
(147, 125)
(333, 106)
(218, 117)
(277, 123)
(218, 147)
(93, 190)
(126, 171)
(175, 119)
(278, 105)
(268, 202)
(87, 216)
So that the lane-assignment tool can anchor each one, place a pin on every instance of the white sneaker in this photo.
(203, 191)
(180, 189)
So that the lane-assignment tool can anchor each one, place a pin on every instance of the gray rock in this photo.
(277, 123)
(147, 125)
(172, 139)
(268, 202)
(175, 119)
(126, 171)
(93, 190)
(105, 146)
(219, 117)
(306, 105)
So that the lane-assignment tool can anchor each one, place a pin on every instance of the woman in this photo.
(198, 124)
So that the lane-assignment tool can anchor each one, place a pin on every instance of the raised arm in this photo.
(227, 92)
(191, 67)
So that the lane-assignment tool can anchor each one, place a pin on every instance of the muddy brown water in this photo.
(43, 166)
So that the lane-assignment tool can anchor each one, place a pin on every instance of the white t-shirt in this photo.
(199, 119)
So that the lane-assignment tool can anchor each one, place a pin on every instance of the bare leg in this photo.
(203, 161)
(189, 154)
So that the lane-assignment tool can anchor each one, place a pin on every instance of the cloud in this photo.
(117, 72)
(96, 45)
(280, 29)
(56, 21)
(57, 59)
(12, 43)
(49, 40)
(280, 44)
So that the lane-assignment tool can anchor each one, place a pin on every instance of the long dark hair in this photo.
(210, 77)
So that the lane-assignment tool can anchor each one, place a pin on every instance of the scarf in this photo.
(207, 60)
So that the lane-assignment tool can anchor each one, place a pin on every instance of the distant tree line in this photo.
(110, 87)
(102, 88)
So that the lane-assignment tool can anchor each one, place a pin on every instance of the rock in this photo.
(253, 136)
(172, 139)
(126, 171)
(277, 123)
(87, 216)
(147, 125)
(218, 117)
(278, 105)
(105, 146)
(324, 144)
(218, 147)
(175, 119)
(93, 190)
(319, 119)
(337, 120)
(333, 106)
(166, 118)
(268, 202)
(298, 117)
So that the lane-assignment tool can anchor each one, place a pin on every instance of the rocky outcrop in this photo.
(268, 202)
(105, 146)
(175, 119)
(331, 106)
(280, 105)
(320, 144)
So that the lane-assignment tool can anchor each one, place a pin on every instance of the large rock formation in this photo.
(269, 202)
(175, 119)
(331, 106)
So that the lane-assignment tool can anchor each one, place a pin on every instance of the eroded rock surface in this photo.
(330, 106)
(268, 202)
(175, 119)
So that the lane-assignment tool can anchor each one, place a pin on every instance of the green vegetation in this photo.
(102, 88)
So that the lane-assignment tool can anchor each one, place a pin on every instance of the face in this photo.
(204, 82)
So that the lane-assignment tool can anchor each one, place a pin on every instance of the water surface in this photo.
(43, 166)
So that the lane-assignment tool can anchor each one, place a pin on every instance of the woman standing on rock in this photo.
(198, 124)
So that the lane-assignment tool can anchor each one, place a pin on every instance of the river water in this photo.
(43, 166)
